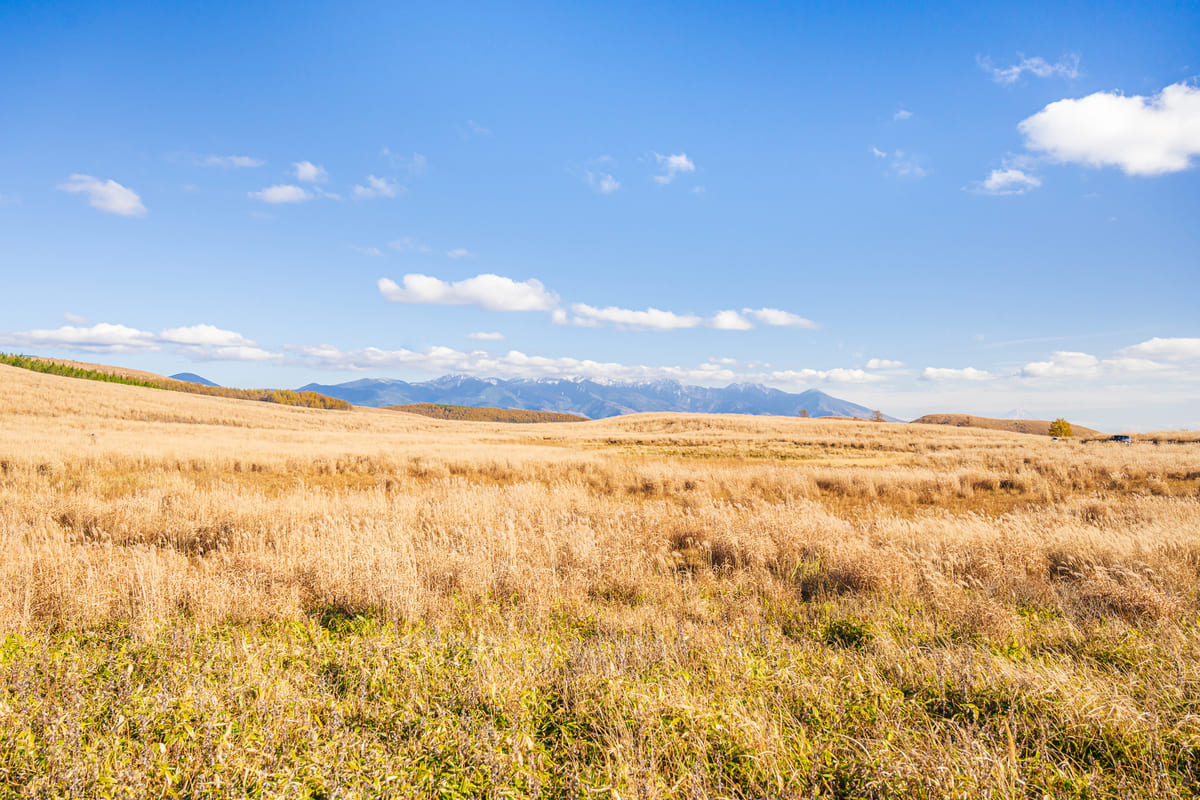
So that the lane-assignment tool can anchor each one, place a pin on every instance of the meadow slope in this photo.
(203, 597)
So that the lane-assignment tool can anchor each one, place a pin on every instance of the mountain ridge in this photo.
(593, 399)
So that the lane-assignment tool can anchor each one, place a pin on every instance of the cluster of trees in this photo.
(485, 414)
(285, 397)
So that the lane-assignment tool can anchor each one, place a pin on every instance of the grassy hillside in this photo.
(485, 414)
(1035, 426)
(101, 372)
(203, 598)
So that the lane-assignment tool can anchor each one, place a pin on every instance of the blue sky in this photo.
(920, 208)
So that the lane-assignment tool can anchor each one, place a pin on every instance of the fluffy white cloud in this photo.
(902, 114)
(774, 316)
(102, 337)
(884, 363)
(653, 319)
(459, 252)
(107, 196)
(947, 374)
(1141, 135)
(1066, 67)
(199, 341)
(1009, 181)
(486, 336)
(231, 162)
(1063, 364)
(1177, 349)
(377, 187)
(281, 193)
(489, 292)
(729, 321)
(673, 166)
(207, 335)
(309, 172)
(602, 182)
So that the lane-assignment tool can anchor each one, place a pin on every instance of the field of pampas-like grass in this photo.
(205, 597)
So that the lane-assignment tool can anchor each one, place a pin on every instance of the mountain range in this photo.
(594, 399)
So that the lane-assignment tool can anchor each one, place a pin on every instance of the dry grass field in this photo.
(203, 597)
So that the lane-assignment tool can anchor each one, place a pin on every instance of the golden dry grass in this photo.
(206, 597)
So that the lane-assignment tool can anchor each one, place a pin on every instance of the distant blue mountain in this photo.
(191, 377)
(595, 399)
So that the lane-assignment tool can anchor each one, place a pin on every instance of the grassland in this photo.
(107, 374)
(485, 413)
(201, 597)
(1039, 427)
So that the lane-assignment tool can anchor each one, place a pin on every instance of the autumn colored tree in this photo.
(1061, 428)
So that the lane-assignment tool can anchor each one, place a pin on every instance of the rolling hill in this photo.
(1039, 427)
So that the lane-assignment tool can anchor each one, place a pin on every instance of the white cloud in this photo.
(673, 166)
(416, 164)
(516, 364)
(1177, 349)
(877, 152)
(378, 187)
(1008, 181)
(773, 316)
(107, 196)
(602, 182)
(75, 319)
(281, 193)
(1063, 364)
(485, 336)
(1141, 135)
(1066, 67)
(729, 321)
(947, 374)
(459, 252)
(902, 114)
(407, 244)
(309, 172)
(478, 129)
(907, 166)
(1067, 364)
(651, 319)
(102, 337)
(206, 335)
(231, 162)
(489, 292)
(884, 363)
(366, 251)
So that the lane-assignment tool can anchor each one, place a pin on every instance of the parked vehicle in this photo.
(1121, 438)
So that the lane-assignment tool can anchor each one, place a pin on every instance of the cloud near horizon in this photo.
(108, 196)
(206, 342)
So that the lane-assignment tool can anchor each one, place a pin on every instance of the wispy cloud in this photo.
(902, 115)
(1066, 67)
(1140, 135)
(489, 292)
(884, 363)
(407, 244)
(906, 165)
(459, 252)
(415, 165)
(774, 316)
(477, 129)
(484, 336)
(231, 162)
(651, 319)
(673, 166)
(366, 251)
(950, 374)
(877, 152)
(602, 182)
(1008, 181)
(108, 196)
(377, 187)
(309, 172)
(75, 319)
(282, 193)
